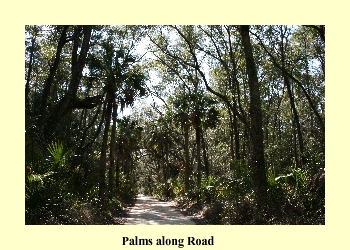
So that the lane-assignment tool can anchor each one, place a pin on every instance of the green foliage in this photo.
(241, 212)
(168, 190)
(57, 154)
(290, 199)
(159, 191)
(229, 201)
(271, 177)
(40, 182)
(127, 191)
(177, 186)
(301, 177)
(208, 189)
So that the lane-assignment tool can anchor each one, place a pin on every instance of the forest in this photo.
(228, 121)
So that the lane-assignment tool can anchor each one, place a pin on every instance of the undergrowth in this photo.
(295, 198)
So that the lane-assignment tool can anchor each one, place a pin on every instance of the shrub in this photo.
(128, 191)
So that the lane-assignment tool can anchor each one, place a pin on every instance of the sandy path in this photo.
(150, 211)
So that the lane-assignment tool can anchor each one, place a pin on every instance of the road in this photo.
(150, 211)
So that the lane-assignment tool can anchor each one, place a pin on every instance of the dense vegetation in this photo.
(228, 121)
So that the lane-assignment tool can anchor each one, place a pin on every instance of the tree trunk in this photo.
(53, 70)
(30, 68)
(288, 74)
(64, 106)
(231, 141)
(237, 141)
(112, 150)
(205, 156)
(199, 163)
(164, 171)
(234, 140)
(256, 132)
(296, 123)
(117, 171)
(167, 169)
(103, 158)
(187, 159)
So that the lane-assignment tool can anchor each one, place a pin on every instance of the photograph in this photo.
(174, 125)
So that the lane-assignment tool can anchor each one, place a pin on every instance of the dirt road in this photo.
(150, 211)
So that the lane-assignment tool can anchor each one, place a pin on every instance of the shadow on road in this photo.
(150, 211)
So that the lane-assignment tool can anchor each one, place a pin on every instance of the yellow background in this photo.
(16, 14)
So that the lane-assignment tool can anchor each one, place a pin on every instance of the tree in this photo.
(67, 103)
(124, 80)
(257, 160)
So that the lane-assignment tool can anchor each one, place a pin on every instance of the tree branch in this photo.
(287, 73)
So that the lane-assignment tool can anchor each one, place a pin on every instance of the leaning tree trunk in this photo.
(50, 121)
(296, 122)
(256, 131)
(53, 68)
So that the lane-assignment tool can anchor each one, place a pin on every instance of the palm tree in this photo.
(123, 81)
